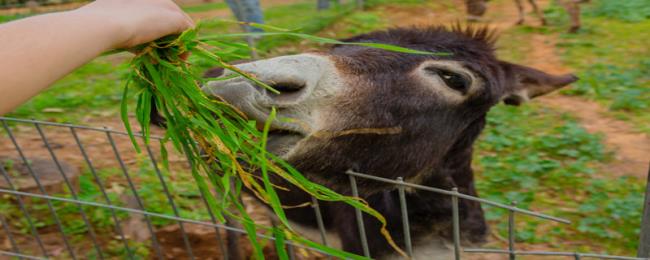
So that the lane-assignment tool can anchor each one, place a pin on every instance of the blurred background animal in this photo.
(477, 8)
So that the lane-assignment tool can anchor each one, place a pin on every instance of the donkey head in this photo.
(379, 112)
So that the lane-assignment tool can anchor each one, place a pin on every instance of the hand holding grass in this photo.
(39, 50)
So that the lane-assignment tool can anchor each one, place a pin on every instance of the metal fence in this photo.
(122, 204)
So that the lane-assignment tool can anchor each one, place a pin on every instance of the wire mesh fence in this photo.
(78, 192)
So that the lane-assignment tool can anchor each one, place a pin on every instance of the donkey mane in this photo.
(483, 35)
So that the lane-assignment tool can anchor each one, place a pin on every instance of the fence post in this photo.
(511, 232)
(644, 243)
(359, 215)
(455, 223)
(405, 217)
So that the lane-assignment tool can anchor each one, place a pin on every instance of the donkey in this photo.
(390, 115)
(572, 7)
(477, 8)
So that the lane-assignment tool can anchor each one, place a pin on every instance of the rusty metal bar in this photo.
(359, 216)
(73, 193)
(98, 181)
(511, 232)
(405, 217)
(7, 230)
(549, 253)
(319, 220)
(97, 129)
(460, 195)
(455, 222)
(125, 171)
(28, 217)
(20, 256)
(50, 207)
(150, 214)
(186, 241)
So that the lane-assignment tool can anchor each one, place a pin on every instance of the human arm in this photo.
(39, 50)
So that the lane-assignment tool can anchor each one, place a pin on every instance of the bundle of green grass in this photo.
(226, 151)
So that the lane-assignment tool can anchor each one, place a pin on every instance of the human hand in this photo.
(138, 21)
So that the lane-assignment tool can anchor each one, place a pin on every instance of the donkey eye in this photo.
(452, 79)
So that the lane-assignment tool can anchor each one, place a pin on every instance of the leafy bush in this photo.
(550, 165)
(610, 217)
(627, 10)
(8, 18)
(626, 88)
(518, 160)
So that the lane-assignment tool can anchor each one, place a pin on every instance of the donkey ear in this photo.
(525, 83)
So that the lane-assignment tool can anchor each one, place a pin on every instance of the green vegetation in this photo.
(7, 18)
(612, 58)
(92, 90)
(310, 21)
(551, 165)
(628, 10)
(555, 166)
(205, 7)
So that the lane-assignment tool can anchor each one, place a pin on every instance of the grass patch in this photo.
(612, 60)
(205, 7)
(628, 10)
(310, 21)
(550, 164)
(9, 18)
(92, 90)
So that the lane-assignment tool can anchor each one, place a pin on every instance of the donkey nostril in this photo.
(287, 88)
(214, 73)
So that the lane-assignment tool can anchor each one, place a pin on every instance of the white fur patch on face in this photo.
(311, 82)
(433, 81)
(315, 75)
